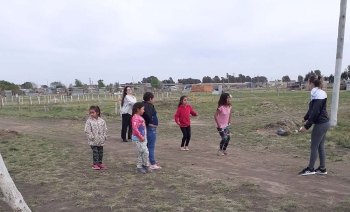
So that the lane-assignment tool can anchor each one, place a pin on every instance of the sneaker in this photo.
(147, 169)
(182, 149)
(158, 165)
(307, 171)
(125, 140)
(155, 167)
(96, 167)
(141, 170)
(102, 166)
(220, 153)
(225, 152)
(186, 148)
(321, 171)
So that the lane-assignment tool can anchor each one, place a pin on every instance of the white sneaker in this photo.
(154, 167)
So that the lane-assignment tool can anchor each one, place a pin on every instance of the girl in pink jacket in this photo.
(139, 138)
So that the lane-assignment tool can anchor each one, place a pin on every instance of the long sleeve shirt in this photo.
(96, 131)
(150, 114)
(129, 102)
(183, 115)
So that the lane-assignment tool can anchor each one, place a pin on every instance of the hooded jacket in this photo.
(317, 113)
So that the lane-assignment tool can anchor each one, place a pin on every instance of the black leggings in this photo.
(97, 154)
(126, 123)
(186, 131)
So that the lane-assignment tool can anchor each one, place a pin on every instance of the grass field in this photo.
(49, 159)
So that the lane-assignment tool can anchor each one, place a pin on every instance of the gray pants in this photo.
(318, 137)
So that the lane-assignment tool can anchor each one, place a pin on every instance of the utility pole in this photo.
(338, 63)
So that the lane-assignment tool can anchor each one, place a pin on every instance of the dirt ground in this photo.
(274, 172)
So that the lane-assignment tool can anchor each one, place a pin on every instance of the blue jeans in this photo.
(151, 138)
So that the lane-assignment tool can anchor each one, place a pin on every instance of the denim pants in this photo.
(151, 138)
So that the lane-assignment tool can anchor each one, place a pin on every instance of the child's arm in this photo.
(192, 112)
(229, 120)
(177, 117)
(105, 129)
(216, 117)
(135, 128)
(88, 132)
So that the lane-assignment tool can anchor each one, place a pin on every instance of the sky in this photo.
(122, 41)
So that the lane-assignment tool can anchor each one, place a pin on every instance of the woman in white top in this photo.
(127, 102)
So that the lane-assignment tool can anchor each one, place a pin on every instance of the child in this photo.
(223, 120)
(151, 119)
(96, 133)
(139, 137)
(182, 118)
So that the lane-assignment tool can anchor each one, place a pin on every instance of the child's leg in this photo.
(139, 151)
(226, 138)
(144, 153)
(184, 136)
(94, 155)
(100, 154)
(188, 130)
(151, 143)
(222, 142)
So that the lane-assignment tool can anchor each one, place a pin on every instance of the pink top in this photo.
(223, 116)
(138, 127)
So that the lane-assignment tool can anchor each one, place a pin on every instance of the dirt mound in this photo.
(7, 134)
(284, 124)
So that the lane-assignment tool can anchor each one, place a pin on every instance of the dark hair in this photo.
(137, 106)
(181, 100)
(124, 94)
(316, 80)
(96, 109)
(223, 99)
(147, 96)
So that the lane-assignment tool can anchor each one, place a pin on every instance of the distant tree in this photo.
(248, 79)
(27, 85)
(78, 83)
(216, 79)
(169, 81)
(207, 79)
(44, 86)
(318, 72)
(148, 79)
(285, 78)
(70, 85)
(57, 84)
(116, 85)
(241, 78)
(100, 83)
(300, 78)
(331, 79)
(155, 83)
(5, 85)
(189, 81)
(345, 75)
(109, 87)
(306, 78)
